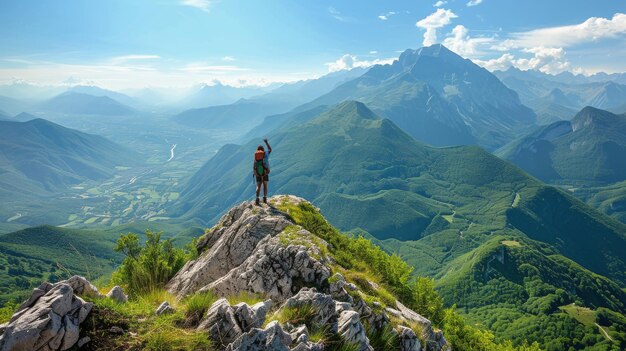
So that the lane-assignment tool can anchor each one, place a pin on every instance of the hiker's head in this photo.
(260, 148)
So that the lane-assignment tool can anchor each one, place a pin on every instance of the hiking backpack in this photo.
(259, 164)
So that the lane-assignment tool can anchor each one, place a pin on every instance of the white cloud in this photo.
(348, 61)
(386, 16)
(373, 52)
(228, 58)
(432, 22)
(440, 3)
(593, 29)
(460, 42)
(474, 2)
(501, 63)
(545, 59)
(203, 5)
(334, 13)
(126, 58)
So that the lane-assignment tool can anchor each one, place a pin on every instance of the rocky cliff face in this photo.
(260, 250)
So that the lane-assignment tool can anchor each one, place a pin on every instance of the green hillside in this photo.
(39, 156)
(47, 253)
(33, 255)
(349, 158)
(438, 208)
(592, 147)
(610, 199)
(523, 289)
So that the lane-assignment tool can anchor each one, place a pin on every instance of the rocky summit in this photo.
(260, 249)
(256, 250)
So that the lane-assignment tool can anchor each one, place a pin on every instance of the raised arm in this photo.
(269, 148)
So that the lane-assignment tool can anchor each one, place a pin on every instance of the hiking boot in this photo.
(264, 199)
(257, 201)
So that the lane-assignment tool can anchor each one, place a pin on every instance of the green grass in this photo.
(301, 314)
(511, 243)
(584, 315)
(166, 332)
(247, 297)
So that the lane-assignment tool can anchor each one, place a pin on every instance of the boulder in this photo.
(82, 286)
(433, 339)
(323, 306)
(337, 289)
(352, 331)
(408, 339)
(221, 324)
(272, 338)
(374, 315)
(226, 323)
(48, 320)
(117, 295)
(164, 308)
(228, 245)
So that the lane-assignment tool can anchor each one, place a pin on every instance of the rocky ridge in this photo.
(260, 249)
(256, 250)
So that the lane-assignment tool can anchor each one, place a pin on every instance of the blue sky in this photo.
(132, 43)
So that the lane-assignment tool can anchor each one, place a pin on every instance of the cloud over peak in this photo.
(432, 22)
(348, 62)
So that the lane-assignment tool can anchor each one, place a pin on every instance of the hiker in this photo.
(261, 169)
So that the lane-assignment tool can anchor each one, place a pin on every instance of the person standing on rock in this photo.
(261, 169)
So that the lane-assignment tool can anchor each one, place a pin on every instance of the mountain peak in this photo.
(347, 113)
(436, 50)
(24, 117)
(357, 107)
(593, 117)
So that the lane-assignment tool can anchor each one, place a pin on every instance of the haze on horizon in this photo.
(125, 45)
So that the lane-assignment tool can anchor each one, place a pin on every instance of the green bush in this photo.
(148, 267)
(426, 300)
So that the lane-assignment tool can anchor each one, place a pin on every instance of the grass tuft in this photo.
(196, 305)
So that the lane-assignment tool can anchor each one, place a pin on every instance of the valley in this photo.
(166, 156)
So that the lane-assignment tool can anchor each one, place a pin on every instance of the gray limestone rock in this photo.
(408, 339)
(352, 331)
(117, 294)
(48, 320)
(272, 338)
(165, 308)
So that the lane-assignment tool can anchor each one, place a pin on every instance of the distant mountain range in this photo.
(553, 97)
(11, 106)
(247, 113)
(590, 147)
(218, 94)
(40, 157)
(100, 92)
(85, 104)
(439, 98)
